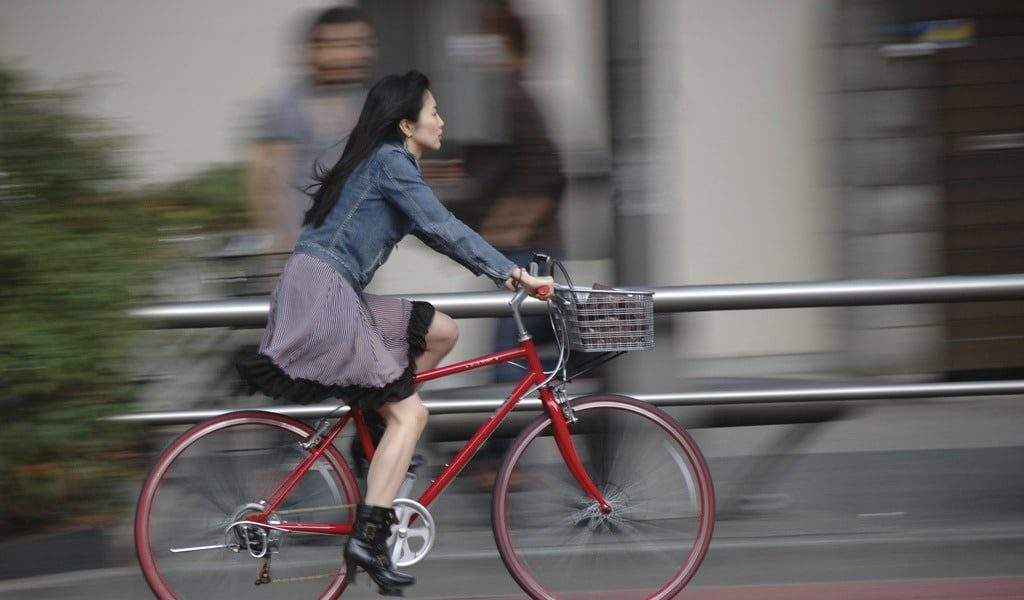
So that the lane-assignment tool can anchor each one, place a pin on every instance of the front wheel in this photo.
(553, 538)
(216, 474)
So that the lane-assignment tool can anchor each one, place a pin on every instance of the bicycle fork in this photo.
(566, 447)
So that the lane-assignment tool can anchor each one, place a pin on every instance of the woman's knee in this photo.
(406, 414)
(443, 333)
(420, 417)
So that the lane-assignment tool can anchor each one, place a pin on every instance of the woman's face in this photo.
(426, 133)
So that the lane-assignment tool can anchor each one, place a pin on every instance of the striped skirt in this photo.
(326, 340)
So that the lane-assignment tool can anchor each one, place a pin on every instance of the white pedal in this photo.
(412, 535)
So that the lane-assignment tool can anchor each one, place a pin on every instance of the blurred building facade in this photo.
(929, 146)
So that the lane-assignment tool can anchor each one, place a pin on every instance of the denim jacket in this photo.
(384, 199)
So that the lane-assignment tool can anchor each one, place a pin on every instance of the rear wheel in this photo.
(216, 474)
(553, 538)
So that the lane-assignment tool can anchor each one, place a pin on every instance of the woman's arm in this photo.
(403, 185)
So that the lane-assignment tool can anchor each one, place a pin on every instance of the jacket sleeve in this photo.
(402, 184)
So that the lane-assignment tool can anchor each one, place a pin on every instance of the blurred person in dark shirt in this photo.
(522, 180)
(516, 193)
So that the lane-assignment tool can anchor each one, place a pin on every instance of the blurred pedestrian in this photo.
(522, 185)
(309, 120)
(525, 184)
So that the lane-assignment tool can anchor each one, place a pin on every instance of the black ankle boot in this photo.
(367, 548)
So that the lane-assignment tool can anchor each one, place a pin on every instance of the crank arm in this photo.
(232, 547)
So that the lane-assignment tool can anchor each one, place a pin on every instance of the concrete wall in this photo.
(742, 173)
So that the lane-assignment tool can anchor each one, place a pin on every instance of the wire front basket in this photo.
(606, 320)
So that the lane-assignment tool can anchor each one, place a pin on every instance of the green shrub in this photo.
(76, 250)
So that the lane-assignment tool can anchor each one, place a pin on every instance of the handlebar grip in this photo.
(545, 262)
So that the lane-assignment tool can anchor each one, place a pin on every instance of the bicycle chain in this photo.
(298, 579)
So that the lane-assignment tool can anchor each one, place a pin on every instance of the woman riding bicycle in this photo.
(326, 338)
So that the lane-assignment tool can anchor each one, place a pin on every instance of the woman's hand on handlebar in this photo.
(537, 287)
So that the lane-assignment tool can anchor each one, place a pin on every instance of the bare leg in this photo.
(405, 421)
(441, 338)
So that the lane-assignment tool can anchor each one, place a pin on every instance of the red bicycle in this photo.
(598, 493)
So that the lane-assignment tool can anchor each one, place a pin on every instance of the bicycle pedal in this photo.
(264, 575)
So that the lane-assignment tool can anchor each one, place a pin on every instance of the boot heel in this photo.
(391, 591)
(350, 571)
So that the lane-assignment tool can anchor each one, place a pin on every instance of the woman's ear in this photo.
(406, 127)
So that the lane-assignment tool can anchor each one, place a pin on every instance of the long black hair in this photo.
(390, 100)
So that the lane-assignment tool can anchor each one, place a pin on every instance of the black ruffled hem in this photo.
(260, 373)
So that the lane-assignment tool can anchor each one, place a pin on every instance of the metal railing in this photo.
(251, 313)
(865, 292)
(440, 406)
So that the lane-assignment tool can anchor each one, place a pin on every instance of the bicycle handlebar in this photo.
(543, 291)
(548, 263)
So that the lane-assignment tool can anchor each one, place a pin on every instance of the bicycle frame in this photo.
(534, 376)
